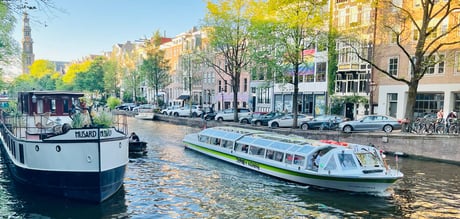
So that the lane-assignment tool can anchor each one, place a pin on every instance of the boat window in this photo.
(215, 141)
(203, 138)
(331, 165)
(256, 151)
(275, 155)
(346, 161)
(227, 144)
(299, 160)
(53, 105)
(368, 159)
(289, 158)
(66, 106)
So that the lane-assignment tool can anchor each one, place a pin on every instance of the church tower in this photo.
(28, 56)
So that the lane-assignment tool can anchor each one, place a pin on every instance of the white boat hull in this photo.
(84, 164)
(370, 184)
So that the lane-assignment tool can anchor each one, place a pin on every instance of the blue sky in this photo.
(93, 26)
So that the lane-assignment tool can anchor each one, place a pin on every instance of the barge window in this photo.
(21, 153)
(215, 141)
(53, 105)
(66, 105)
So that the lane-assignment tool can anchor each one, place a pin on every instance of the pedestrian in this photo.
(440, 115)
(133, 137)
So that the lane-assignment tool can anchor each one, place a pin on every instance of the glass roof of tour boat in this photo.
(264, 139)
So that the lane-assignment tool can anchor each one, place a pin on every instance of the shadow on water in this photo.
(20, 202)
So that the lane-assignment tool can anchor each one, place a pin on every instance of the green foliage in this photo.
(78, 120)
(8, 47)
(103, 119)
(91, 80)
(112, 102)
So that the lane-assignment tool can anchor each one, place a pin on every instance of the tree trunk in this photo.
(294, 97)
(412, 94)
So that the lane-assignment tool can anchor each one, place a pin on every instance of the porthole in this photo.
(58, 148)
(37, 148)
(89, 158)
(119, 144)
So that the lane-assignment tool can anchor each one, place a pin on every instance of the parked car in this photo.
(185, 111)
(209, 113)
(247, 119)
(126, 106)
(288, 120)
(227, 115)
(323, 122)
(144, 108)
(371, 123)
(263, 120)
(168, 110)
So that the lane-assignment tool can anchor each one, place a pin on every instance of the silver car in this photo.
(371, 123)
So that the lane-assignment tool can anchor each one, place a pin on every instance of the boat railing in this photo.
(44, 125)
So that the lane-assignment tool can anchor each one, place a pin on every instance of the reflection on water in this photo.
(172, 182)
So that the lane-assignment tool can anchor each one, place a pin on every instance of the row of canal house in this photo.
(440, 88)
(208, 89)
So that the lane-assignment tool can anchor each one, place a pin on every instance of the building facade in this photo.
(28, 56)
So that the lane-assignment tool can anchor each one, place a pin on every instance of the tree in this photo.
(227, 23)
(91, 80)
(297, 25)
(154, 67)
(110, 68)
(421, 34)
(7, 44)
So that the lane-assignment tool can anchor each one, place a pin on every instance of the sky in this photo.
(87, 27)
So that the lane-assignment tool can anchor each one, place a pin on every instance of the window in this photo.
(220, 86)
(393, 66)
(436, 65)
(457, 63)
(245, 89)
(341, 17)
(321, 71)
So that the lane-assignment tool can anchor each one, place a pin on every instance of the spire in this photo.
(28, 56)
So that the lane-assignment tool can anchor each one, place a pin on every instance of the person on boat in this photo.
(318, 158)
(134, 137)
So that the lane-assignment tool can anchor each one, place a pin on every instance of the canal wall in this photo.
(439, 147)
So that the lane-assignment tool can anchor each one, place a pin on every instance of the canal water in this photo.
(173, 182)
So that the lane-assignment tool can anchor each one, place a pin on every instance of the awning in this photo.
(183, 97)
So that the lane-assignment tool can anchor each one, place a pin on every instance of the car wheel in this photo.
(176, 114)
(165, 113)
(304, 126)
(245, 121)
(220, 119)
(387, 128)
(347, 129)
(194, 114)
(258, 123)
(275, 125)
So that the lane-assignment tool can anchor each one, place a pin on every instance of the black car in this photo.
(263, 120)
(126, 106)
(323, 122)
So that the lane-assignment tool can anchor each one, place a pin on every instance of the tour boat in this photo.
(340, 166)
(51, 145)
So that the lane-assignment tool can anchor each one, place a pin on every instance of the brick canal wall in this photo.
(443, 148)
